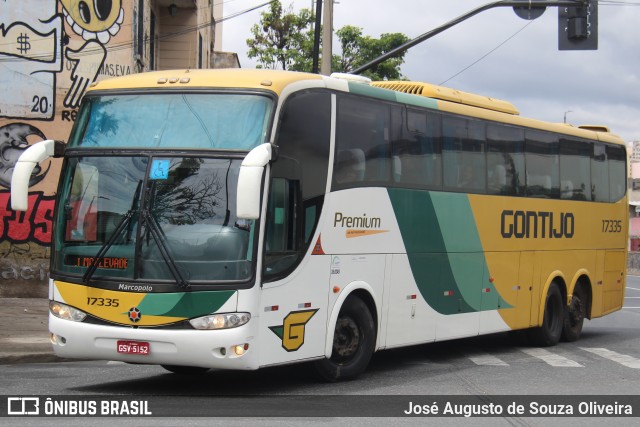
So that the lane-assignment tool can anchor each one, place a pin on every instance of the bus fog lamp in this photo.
(57, 339)
(220, 321)
(240, 349)
(66, 312)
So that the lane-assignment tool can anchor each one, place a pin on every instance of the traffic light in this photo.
(578, 26)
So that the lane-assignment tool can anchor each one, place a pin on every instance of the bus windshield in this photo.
(229, 121)
(152, 218)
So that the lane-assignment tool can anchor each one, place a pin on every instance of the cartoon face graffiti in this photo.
(13, 142)
(94, 19)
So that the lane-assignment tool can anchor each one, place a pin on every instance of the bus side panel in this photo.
(596, 286)
(410, 319)
(511, 274)
(293, 313)
(361, 233)
(614, 281)
(525, 288)
(608, 289)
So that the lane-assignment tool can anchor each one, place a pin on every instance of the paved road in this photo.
(605, 361)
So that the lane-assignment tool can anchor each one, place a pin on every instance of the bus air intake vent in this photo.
(447, 94)
(595, 128)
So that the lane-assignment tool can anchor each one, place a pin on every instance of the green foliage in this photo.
(278, 41)
(358, 50)
(285, 40)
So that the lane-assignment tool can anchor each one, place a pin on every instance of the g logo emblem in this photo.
(292, 330)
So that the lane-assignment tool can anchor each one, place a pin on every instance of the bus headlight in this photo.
(66, 312)
(220, 321)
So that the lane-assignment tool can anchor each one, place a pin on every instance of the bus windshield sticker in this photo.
(159, 169)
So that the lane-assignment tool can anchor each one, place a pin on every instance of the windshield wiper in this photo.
(124, 222)
(158, 237)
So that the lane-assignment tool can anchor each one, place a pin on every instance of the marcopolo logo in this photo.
(134, 314)
(358, 226)
(536, 224)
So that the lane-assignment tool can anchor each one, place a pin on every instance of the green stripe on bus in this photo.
(184, 304)
(418, 101)
(366, 90)
(389, 95)
(464, 247)
(444, 250)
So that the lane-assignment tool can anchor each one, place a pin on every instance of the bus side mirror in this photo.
(250, 181)
(24, 167)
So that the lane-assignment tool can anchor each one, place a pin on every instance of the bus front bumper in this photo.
(202, 348)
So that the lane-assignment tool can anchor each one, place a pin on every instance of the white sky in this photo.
(598, 87)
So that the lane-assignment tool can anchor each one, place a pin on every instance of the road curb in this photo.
(14, 359)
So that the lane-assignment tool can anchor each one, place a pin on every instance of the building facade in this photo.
(50, 52)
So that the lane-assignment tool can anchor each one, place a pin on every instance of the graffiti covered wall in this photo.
(50, 52)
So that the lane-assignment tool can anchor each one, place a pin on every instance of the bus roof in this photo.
(412, 93)
(469, 104)
(272, 80)
(448, 94)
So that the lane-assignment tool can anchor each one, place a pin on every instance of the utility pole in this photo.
(316, 36)
(327, 38)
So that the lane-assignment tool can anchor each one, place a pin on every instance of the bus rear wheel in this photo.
(185, 370)
(553, 321)
(353, 343)
(574, 315)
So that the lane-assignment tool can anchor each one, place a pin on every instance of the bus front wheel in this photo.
(553, 321)
(353, 342)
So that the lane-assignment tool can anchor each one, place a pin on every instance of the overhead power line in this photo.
(488, 53)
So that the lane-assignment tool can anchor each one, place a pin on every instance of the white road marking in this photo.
(623, 359)
(551, 358)
(486, 359)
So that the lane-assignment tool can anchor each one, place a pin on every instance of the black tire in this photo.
(185, 370)
(552, 324)
(354, 341)
(574, 315)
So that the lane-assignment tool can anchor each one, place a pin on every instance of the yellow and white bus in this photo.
(239, 219)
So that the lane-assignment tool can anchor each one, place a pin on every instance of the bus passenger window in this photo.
(505, 160)
(363, 130)
(617, 157)
(417, 156)
(463, 155)
(575, 173)
(543, 167)
(599, 174)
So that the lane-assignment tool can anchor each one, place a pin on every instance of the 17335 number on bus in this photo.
(611, 225)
